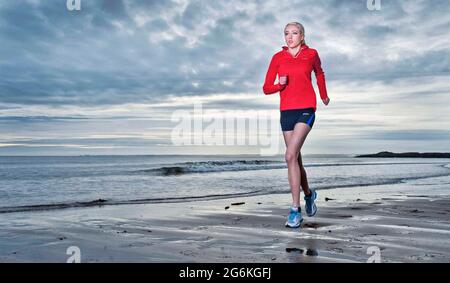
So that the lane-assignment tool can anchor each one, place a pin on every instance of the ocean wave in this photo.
(264, 191)
(213, 166)
(243, 165)
(103, 202)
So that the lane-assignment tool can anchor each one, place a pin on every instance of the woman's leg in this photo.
(303, 178)
(294, 141)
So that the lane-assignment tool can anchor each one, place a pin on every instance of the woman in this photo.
(294, 64)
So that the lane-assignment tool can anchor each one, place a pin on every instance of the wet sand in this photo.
(407, 222)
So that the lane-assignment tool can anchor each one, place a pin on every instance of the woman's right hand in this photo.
(283, 80)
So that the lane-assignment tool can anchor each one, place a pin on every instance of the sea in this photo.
(30, 183)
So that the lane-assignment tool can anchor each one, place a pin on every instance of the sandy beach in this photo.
(406, 222)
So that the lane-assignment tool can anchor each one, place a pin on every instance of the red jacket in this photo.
(299, 92)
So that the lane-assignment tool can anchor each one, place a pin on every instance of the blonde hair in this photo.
(301, 29)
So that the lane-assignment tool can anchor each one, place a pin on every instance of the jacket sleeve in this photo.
(269, 87)
(320, 77)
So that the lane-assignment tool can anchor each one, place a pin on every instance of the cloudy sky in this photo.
(109, 78)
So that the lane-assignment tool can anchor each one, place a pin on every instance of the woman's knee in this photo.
(290, 157)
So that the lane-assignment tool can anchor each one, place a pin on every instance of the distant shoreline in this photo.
(408, 154)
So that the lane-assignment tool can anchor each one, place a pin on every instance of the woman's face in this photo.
(292, 36)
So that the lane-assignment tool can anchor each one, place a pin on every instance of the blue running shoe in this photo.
(294, 218)
(310, 206)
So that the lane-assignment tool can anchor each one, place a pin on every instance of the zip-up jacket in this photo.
(298, 92)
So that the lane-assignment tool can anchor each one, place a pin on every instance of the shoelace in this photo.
(292, 215)
(309, 200)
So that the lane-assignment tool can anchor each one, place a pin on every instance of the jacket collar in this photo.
(303, 47)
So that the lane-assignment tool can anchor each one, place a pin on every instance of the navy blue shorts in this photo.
(288, 118)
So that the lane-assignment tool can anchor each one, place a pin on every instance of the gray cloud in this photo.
(412, 135)
(147, 52)
(100, 55)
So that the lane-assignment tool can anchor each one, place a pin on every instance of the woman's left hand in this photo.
(326, 101)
